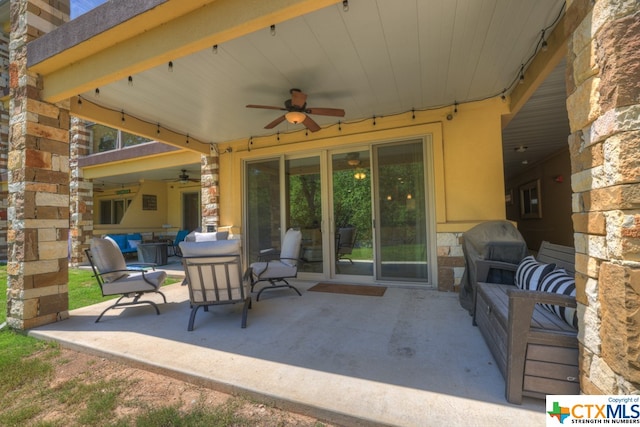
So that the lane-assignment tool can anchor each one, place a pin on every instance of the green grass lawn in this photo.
(27, 365)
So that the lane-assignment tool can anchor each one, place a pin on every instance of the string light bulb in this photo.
(97, 93)
(345, 5)
(130, 80)
(215, 49)
(273, 30)
(522, 74)
(171, 66)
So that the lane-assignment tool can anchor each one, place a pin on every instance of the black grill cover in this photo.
(492, 240)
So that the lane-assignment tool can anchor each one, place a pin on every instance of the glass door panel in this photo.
(401, 212)
(262, 207)
(304, 209)
(351, 189)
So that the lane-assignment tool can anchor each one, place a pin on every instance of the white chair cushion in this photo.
(210, 237)
(290, 251)
(273, 269)
(219, 247)
(107, 257)
(135, 283)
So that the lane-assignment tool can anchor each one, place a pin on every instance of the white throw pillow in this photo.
(206, 237)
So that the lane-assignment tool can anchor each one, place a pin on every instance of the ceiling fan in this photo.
(184, 178)
(297, 111)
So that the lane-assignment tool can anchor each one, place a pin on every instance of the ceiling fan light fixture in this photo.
(295, 117)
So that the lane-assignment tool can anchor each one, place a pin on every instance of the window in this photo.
(103, 138)
(112, 211)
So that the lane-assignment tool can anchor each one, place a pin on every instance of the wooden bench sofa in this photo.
(535, 349)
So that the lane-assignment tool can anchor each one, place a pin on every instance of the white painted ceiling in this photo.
(379, 58)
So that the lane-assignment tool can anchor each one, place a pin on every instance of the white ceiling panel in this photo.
(382, 57)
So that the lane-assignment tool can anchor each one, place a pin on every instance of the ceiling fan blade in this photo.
(336, 112)
(275, 123)
(310, 124)
(298, 98)
(268, 107)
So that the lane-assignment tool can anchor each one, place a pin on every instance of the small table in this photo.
(153, 253)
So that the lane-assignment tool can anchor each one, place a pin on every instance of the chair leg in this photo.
(127, 304)
(192, 317)
(274, 286)
(247, 305)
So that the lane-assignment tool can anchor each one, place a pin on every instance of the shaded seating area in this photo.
(276, 267)
(213, 272)
(116, 277)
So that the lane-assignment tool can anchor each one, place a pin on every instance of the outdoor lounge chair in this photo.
(276, 268)
(115, 277)
(213, 273)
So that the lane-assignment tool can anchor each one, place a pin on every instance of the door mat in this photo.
(337, 288)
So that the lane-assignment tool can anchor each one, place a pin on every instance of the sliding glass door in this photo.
(401, 216)
(362, 212)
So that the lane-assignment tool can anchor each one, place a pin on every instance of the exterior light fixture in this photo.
(295, 117)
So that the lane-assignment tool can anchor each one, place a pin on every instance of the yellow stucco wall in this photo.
(467, 181)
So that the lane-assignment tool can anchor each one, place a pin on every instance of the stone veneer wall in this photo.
(81, 195)
(38, 178)
(603, 87)
(209, 167)
(450, 261)
(4, 139)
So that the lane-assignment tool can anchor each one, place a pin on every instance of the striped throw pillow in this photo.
(530, 272)
(561, 282)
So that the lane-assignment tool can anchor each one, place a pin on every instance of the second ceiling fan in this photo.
(297, 111)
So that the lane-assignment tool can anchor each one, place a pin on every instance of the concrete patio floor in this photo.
(408, 358)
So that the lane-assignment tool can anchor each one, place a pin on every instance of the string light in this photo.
(97, 93)
(273, 30)
(122, 115)
(504, 97)
(374, 119)
(158, 130)
(130, 79)
(413, 113)
(522, 74)
(171, 66)
(79, 101)
(345, 5)
(215, 49)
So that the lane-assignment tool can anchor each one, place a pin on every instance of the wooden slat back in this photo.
(561, 256)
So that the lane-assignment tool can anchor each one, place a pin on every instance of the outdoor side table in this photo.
(153, 253)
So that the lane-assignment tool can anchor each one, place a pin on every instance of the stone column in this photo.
(38, 178)
(209, 168)
(4, 139)
(81, 195)
(603, 87)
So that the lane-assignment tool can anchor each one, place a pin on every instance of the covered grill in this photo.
(491, 240)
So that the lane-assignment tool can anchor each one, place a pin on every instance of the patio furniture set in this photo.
(213, 272)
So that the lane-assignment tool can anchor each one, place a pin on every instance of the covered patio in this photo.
(408, 358)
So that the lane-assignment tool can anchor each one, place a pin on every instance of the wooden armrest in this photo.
(539, 297)
(484, 265)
